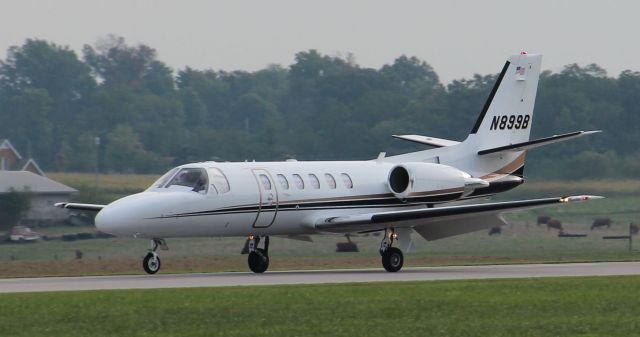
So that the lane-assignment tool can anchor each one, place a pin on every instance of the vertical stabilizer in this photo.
(507, 115)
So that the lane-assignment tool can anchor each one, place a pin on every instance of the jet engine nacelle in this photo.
(423, 179)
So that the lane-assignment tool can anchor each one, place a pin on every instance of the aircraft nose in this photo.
(112, 219)
(123, 217)
(141, 214)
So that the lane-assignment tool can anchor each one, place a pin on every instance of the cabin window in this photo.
(283, 182)
(348, 183)
(219, 181)
(330, 180)
(193, 178)
(315, 183)
(297, 179)
(266, 183)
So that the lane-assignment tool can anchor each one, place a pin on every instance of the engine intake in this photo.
(429, 180)
(399, 179)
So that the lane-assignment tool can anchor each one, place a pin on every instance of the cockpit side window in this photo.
(219, 181)
(193, 178)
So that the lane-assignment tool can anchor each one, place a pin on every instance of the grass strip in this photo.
(594, 306)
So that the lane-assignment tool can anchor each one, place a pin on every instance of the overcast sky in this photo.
(457, 38)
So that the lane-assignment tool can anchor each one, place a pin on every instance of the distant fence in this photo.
(622, 237)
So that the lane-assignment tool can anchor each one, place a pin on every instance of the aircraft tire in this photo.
(258, 261)
(151, 263)
(392, 259)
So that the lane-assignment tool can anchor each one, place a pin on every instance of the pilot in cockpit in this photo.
(194, 178)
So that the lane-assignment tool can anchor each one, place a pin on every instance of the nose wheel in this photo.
(392, 258)
(258, 259)
(151, 262)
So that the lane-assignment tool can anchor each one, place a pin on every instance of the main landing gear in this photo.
(258, 259)
(392, 258)
(151, 262)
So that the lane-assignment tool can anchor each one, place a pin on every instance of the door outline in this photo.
(264, 200)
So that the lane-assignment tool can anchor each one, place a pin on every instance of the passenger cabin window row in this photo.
(212, 179)
(313, 181)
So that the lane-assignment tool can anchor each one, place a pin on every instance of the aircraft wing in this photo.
(80, 207)
(440, 222)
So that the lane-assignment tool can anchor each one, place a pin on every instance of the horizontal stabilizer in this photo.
(537, 143)
(431, 141)
(80, 207)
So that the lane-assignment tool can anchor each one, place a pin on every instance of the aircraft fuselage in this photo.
(274, 198)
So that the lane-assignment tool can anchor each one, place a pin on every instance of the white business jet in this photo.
(430, 192)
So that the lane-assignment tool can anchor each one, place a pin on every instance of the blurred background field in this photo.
(521, 241)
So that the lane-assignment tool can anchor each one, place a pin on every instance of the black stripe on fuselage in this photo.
(487, 104)
(391, 201)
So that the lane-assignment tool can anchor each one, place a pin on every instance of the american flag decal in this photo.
(520, 71)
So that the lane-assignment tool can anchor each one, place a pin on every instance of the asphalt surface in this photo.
(315, 277)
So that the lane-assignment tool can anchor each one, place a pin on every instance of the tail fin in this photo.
(507, 115)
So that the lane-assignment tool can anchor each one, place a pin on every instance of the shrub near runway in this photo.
(602, 306)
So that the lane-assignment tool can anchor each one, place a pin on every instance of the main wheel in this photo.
(151, 263)
(258, 261)
(392, 259)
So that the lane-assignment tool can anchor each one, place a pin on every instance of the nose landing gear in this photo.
(258, 259)
(392, 258)
(151, 262)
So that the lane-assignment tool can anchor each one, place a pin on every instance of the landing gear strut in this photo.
(258, 259)
(392, 258)
(151, 262)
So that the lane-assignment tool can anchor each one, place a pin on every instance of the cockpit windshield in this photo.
(165, 177)
(191, 178)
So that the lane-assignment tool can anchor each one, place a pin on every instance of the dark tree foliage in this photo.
(320, 107)
(13, 205)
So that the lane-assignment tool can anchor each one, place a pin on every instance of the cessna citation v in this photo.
(429, 192)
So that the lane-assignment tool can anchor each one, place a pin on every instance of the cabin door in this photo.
(267, 199)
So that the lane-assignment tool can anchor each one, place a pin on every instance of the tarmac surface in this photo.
(16, 285)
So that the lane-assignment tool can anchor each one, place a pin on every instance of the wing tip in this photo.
(580, 198)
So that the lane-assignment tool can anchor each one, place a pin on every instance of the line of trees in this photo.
(150, 117)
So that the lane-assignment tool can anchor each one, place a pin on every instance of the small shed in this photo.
(44, 194)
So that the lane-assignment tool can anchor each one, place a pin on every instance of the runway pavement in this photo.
(315, 277)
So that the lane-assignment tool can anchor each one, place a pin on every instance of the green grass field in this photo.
(603, 306)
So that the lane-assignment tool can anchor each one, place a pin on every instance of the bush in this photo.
(13, 205)
(70, 237)
(85, 236)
